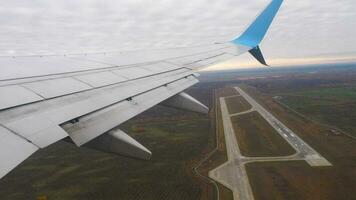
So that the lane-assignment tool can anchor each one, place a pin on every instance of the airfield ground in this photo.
(236, 104)
(233, 173)
(297, 180)
(318, 108)
(257, 138)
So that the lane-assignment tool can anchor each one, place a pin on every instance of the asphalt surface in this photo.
(232, 174)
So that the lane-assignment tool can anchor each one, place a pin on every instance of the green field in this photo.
(237, 104)
(333, 106)
(258, 138)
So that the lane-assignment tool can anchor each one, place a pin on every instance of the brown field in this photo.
(237, 104)
(257, 138)
(226, 92)
(297, 180)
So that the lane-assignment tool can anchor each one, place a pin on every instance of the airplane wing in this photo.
(84, 97)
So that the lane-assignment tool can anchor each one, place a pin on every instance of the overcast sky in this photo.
(303, 28)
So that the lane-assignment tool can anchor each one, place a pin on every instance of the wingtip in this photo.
(257, 54)
(255, 33)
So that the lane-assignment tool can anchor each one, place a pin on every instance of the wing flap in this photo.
(39, 122)
(13, 150)
(96, 124)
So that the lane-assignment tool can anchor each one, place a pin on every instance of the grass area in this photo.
(237, 104)
(333, 106)
(227, 91)
(258, 138)
(225, 193)
(297, 180)
(336, 93)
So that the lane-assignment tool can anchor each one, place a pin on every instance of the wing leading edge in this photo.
(85, 97)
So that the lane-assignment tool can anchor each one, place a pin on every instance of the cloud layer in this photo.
(302, 28)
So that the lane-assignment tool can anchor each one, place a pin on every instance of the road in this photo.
(232, 174)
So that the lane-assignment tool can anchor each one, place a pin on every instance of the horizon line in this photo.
(281, 62)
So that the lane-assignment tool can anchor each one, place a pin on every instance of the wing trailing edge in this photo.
(13, 150)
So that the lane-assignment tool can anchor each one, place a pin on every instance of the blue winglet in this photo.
(255, 33)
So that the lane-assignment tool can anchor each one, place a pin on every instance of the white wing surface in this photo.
(46, 98)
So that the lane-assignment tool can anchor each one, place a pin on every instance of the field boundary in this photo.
(313, 120)
(203, 160)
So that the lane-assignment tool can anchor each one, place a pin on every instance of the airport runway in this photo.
(303, 149)
(232, 174)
